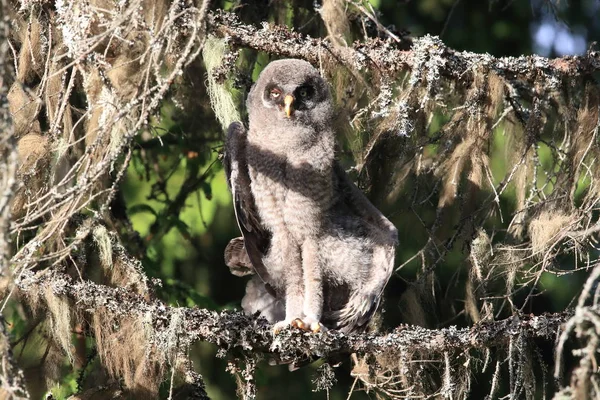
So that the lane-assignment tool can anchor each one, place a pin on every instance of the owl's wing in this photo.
(362, 207)
(256, 239)
(363, 301)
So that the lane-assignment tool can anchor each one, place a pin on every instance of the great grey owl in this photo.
(320, 251)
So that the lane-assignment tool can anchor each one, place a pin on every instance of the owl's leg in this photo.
(313, 287)
(294, 290)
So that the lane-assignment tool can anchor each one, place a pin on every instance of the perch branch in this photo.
(233, 330)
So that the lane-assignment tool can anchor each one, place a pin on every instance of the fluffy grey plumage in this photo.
(322, 253)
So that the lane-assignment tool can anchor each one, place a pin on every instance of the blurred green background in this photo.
(176, 196)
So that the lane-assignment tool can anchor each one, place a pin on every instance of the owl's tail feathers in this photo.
(357, 313)
(364, 299)
(261, 299)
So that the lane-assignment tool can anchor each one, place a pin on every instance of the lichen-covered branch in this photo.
(585, 323)
(386, 58)
(123, 58)
(12, 380)
(233, 330)
(8, 146)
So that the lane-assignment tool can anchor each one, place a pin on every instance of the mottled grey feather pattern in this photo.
(322, 252)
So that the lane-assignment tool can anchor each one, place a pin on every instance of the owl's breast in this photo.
(269, 194)
(294, 198)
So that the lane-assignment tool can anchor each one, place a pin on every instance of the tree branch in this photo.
(232, 330)
(384, 56)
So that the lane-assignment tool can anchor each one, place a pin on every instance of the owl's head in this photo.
(290, 92)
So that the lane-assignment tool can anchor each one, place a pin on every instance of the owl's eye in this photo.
(303, 92)
(275, 93)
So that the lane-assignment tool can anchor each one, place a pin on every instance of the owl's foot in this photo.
(309, 325)
(306, 324)
(281, 325)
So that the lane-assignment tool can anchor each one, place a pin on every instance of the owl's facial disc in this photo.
(290, 100)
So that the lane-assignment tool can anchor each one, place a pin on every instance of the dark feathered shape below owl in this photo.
(320, 252)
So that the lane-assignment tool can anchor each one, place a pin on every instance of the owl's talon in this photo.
(309, 325)
(317, 327)
(285, 324)
(298, 323)
(306, 325)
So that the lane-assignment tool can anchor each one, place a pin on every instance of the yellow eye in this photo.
(303, 92)
(275, 93)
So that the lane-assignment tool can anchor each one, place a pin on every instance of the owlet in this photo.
(320, 252)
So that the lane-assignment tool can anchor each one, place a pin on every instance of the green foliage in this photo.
(67, 387)
(172, 195)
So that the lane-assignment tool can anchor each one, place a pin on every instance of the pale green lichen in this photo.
(221, 99)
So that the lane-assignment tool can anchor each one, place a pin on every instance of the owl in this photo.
(320, 253)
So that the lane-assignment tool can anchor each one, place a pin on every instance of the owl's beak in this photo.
(288, 101)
